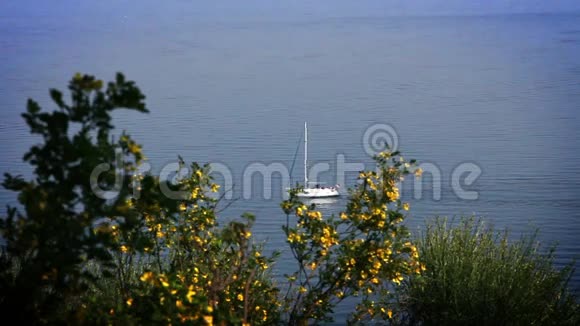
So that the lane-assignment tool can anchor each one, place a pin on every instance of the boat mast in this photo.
(305, 156)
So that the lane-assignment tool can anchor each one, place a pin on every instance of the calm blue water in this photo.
(502, 92)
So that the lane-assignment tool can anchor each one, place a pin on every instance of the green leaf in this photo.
(32, 107)
(56, 96)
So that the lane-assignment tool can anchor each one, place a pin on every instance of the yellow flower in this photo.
(418, 172)
(240, 297)
(313, 265)
(179, 304)
(302, 289)
(146, 277)
(406, 206)
(393, 195)
(390, 313)
(294, 237)
(208, 320)
(299, 211)
(195, 193)
(129, 302)
(199, 173)
(134, 148)
(343, 216)
(124, 249)
(397, 279)
(215, 187)
(163, 280)
(385, 154)
(190, 293)
(315, 215)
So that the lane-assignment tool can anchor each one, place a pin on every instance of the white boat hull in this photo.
(318, 192)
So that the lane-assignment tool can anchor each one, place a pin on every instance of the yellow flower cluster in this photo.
(295, 237)
(329, 237)
(195, 192)
(371, 249)
(300, 210)
(215, 187)
(398, 278)
(393, 194)
(384, 154)
(418, 172)
(315, 215)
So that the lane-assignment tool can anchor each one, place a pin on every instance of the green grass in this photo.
(477, 275)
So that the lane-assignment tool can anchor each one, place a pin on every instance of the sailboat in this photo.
(317, 191)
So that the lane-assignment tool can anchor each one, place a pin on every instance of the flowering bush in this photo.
(141, 257)
(363, 252)
(194, 271)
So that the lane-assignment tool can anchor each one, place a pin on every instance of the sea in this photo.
(489, 105)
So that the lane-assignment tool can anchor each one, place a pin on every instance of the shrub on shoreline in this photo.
(477, 275)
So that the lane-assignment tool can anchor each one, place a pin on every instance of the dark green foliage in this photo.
(46, 244)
